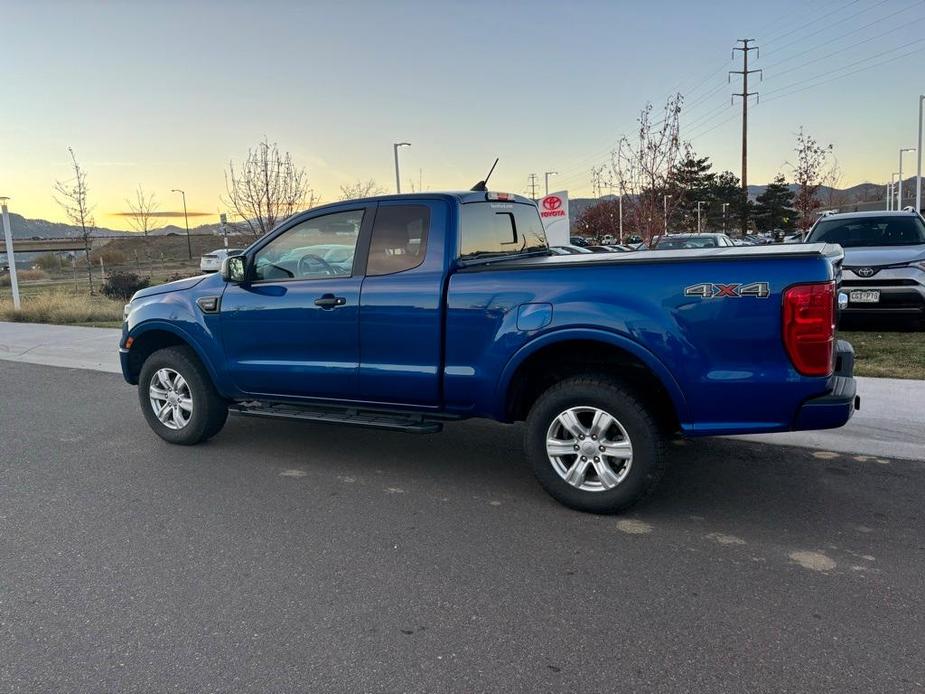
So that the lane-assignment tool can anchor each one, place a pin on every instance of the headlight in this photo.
(919, 265)
(125, 310)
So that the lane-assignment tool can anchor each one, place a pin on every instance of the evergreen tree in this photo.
(690, 181)
(774, 207)
(726, 190)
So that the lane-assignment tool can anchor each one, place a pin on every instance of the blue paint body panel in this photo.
(449, 339)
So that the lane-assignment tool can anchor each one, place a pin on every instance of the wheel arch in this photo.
(554, 356)
(152, 336)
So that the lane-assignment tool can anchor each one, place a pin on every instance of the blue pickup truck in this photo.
(407, 311)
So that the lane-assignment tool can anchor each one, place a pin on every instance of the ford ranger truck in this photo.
(405, 312)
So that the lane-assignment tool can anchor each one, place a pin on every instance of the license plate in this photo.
(866, 296)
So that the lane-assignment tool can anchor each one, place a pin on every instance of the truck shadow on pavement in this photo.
(734, 482)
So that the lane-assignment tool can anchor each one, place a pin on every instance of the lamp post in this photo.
(889, 195)
(902, 151)
(893, 190)
(10, 257)
(699, 203)
(547, 174)
(189, 246)
(725, 205)
(918, 170)
(395, 147)
(665, 212)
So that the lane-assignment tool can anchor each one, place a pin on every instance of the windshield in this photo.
(859, 232)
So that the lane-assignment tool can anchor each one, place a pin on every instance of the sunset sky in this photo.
(164, 94)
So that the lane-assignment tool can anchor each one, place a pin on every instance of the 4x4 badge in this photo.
(708, 290)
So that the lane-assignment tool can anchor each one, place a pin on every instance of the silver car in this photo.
(884, 267)
(212, 261)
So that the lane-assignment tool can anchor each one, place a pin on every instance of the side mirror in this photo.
(233, 268)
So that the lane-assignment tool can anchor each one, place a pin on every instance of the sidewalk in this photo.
(890, 424)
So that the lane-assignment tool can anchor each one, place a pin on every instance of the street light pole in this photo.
(893, 191)
(918, 171)
(547, 174)
(10, 257)
(725, 205)
(395, 147)
(621, 218)
(189, 246)
(699, 203)
(665, 212)
(902, 151)
(889, 195)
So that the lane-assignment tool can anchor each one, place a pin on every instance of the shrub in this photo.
(110, 257)
(121, 285)
(177, 276)
(62, 307)
(48, 261)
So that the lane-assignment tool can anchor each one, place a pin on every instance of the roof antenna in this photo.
(481, 185)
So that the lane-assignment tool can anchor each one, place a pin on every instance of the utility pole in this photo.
(745, 72)
(533, 185)
(189, 246)
(548, 174)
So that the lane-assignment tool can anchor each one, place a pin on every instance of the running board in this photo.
(413, 424)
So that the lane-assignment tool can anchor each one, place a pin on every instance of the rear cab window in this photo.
(495, 229)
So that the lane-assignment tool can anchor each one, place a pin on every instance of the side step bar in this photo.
(413, 424)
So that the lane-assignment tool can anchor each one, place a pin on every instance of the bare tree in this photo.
(808, 173)
(361, 189)
(266, 188)
(832, 179)
(142, 211)
(72, 196)
(642, 168)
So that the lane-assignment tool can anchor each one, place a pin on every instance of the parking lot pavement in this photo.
(61, 345)
(284, 556)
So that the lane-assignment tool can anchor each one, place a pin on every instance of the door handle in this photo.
(328, 301)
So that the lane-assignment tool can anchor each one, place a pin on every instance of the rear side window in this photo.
(399, 239)
(497, 228)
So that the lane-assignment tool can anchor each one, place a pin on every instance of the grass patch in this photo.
(63, 308)
(888, 354)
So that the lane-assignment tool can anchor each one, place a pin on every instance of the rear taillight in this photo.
(809, 327)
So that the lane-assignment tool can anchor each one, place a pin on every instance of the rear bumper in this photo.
(834, 409)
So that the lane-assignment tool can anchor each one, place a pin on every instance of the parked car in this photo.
(454, 307)
(212, 261)
(673, 242)
(579, 241)
(600, 249)
(607, 239)
(570, 250)
(884, 268)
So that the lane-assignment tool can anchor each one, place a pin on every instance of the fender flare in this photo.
(652, 362)
(170, 327)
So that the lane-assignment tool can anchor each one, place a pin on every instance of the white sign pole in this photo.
(223, 218)
(10, 257)
(554, 213)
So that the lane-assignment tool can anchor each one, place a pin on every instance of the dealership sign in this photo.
(554, 213)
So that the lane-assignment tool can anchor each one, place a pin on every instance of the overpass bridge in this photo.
(43, 245)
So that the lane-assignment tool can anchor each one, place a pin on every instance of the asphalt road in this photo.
(285, 557)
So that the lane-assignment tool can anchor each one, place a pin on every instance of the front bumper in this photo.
(835, 408)
(902, 292)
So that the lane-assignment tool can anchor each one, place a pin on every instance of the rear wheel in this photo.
(593, 446)
(178, 399)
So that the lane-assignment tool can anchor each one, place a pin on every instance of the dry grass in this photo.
(61, 308)
(888, 354)
(23, 276)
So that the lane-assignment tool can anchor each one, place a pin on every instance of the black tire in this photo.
(209, 409)
(646, 437)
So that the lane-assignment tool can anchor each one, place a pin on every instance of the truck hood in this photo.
(883, 255)
(177, 286)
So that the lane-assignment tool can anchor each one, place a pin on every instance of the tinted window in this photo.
(322, 247)
(869, 231)
(500, 228)
(399, 239)
(666, 243)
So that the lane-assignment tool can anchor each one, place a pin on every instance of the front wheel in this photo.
(593, 446)
(178, 399)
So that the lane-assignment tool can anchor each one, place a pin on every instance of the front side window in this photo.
(870, 231)
(399, 239)
(318, 248)
(492, 229)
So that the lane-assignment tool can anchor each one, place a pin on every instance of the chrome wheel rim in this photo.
(589, 449)
(170, 398)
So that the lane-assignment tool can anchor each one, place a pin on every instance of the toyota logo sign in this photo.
(552, 203)
(865, 272)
